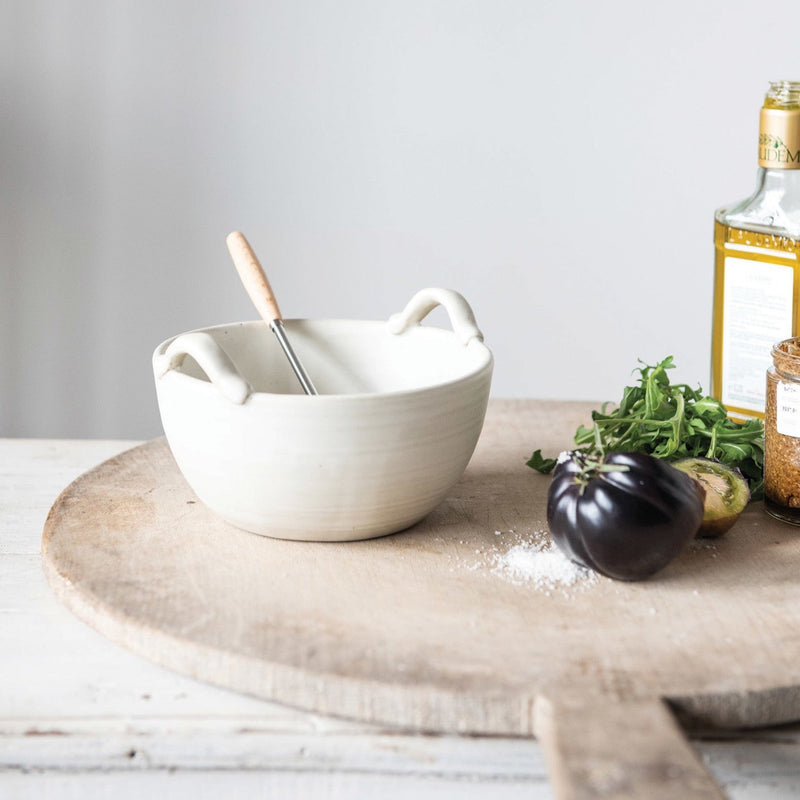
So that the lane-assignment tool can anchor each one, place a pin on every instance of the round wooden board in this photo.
(421, 629)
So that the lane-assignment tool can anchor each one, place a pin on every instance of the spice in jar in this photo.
(782, 433)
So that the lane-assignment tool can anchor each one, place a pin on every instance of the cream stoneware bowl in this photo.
(399, 412)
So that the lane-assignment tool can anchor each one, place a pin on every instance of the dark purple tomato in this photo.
(625, 515)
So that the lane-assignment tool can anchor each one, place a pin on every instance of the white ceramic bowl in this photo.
(399, 412)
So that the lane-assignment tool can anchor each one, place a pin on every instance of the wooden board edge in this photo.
(86, 477)
(389, 706)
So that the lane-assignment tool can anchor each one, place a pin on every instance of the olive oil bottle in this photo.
(757, 261)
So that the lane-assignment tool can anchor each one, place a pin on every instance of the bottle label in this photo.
(787, 409)
(779, 139)
(756, 313)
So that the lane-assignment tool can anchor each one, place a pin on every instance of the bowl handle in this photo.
(424, 301)
(211, 358)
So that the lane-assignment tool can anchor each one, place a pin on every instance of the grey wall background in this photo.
(556, 162)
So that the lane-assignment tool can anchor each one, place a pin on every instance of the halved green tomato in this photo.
(727, 493)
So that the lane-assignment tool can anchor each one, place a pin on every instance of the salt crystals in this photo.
(524, 562)
(531, 560)
(538, 562)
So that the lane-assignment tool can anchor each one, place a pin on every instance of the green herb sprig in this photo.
(672, 421)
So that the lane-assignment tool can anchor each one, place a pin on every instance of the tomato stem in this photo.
(592, 463)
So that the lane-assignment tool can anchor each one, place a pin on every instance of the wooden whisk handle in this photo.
(253, 277)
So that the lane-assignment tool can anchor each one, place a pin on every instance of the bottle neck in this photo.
(783, 94)
(777, 180)
(774, 207)
(779, 127)
(779, 139)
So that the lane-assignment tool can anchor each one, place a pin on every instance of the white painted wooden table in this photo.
(81, 718)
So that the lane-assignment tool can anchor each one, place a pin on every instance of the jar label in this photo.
(756, 313)
(787, 409)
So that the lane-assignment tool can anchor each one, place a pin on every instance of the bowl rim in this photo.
(485, 366)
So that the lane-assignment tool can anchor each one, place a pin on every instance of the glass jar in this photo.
(782, 433)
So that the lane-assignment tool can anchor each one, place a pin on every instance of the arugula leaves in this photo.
(672, 421)
(541, 464)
